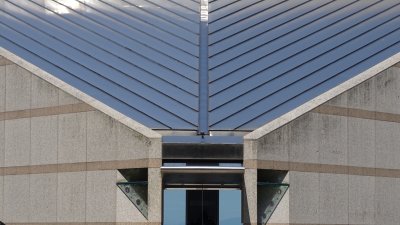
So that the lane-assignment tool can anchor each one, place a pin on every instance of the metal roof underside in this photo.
(141, 57)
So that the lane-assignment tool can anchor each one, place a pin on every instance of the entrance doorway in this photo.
(202, 207)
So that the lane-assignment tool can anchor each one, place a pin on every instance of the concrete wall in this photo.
(343, 157)
(59, 156)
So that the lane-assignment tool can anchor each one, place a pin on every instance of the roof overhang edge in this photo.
(129, 122)
(321, 99)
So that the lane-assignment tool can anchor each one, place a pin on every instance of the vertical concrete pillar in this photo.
(155, 196)
(249, 191)
(155, 183)
(249, 197)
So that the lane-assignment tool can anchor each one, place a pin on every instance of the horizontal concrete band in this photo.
(83, 166)
(357, 113)
(48, 111)
(321, 168)
(90, 223)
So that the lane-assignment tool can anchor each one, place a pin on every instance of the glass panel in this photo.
(231, 164)
(202, 207)
(174, 207)
(230, 204)
(137, 194)
(268, 197)
(171, 164)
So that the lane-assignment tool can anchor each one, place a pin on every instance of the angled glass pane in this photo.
(268, 197)
(137, 194)
(134, 185)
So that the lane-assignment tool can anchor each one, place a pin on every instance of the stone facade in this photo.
(343, 157)
(59, 157)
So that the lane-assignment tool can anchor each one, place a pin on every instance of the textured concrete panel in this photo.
(155, 150)
(18, 88)
(43, 197)
(154, 194)
(44, 140)
(304, 137)
(333, 140)
(4, 61)
(43, 94)
(333, 198)
(101, 196)
(2, 88)
(361, 200)
(249, 149)
(72, 138)
(304, 191)
(101, 137)
(1, 196)
(340, 100)
(17, 142)
(275, 145)
(362, 96)
(387, 145)
(388, 91)
(361, 142)
(16, 199)
(131, 144)
(126, 210)
(71, 197)
(2, 144)
(249, 197)
(66, 99)
(387, 198)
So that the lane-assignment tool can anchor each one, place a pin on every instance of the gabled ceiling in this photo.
(142, 57)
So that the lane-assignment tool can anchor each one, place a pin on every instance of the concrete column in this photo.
(155, 182)
(249, 191)
(154, 196)
(249, 197)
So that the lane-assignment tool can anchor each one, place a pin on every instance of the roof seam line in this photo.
(292, 43)
(203, 69)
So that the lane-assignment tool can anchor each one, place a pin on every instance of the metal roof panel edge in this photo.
(321, 99)
(129, 122)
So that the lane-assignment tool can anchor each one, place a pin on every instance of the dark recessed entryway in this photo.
(202, 207)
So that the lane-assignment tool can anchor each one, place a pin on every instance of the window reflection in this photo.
(66, 6)
(230, 204)
(174, 207)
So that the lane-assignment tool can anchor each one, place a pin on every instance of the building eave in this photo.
(321, 99)
(129, 122)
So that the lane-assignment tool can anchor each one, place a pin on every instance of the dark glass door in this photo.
(202, 207)
(198, 207)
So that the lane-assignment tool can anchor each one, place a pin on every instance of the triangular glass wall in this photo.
(135, 187)
(271, 187)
